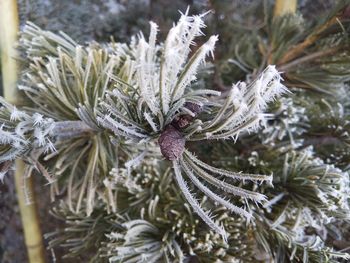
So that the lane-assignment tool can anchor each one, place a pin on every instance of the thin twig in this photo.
(307, 58)
(299, 49)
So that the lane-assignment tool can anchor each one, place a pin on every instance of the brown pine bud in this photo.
(195, 108)
(171, 143)
(183, 121)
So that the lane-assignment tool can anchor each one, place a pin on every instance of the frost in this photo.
(195, 205)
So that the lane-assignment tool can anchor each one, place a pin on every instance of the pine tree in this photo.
(148, 162)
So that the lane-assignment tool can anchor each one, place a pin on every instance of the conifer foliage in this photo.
(151, 164)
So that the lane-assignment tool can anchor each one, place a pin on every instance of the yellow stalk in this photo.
(29, 215)
(283, 7)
